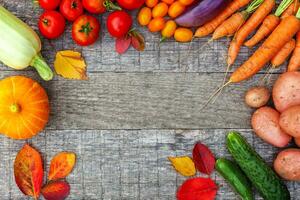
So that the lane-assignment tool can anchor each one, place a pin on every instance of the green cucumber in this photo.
(235, 177)
(269, 185)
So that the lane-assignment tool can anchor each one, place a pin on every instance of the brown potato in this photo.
(290, 121)
(265, 123)
(297, 141)
(286, 91)
(257, 97)
(287, 164)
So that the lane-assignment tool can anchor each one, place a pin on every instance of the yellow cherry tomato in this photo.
(144, 16)
(169, 29)
(151, 3)
(183, 35)
(156, 24)
(169, 2)
(160, 10)
(186, 2)
(176, 9)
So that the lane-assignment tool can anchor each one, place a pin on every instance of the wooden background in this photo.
(133, 112)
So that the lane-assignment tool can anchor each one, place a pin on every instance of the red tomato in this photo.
(85, 30)
(119, 23)
(131, 4)
(71, 9)
(52, 24)
(49, 4)
(94, 6)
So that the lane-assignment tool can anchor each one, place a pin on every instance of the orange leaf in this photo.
(184, 165)
(28, 170)
(57, 190)
(61, 165)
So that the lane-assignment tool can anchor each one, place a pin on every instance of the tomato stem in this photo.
(86, 29)
(110, 6)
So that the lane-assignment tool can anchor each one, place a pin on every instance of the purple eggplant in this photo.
(201, 12)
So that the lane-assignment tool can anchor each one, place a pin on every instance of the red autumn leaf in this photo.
(61, 165)
(58, 190)
(137, 41)
(196, 189)
(204, 159)
(122, 44)
(28, 171)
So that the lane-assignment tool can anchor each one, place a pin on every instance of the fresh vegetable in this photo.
(287, 164)
(131, 4)
(183, 35)
(204, 159)
(284, 32)
(20, 46)
(235, 177)
(49, 4)
(160, 10)
(24, 103)
(71, 9)
(292, 9)
(61, 165)
(169, 29)
(265, 123)
(183, 165)
(197, 188)
(169, 2)
(210, 26)
(269, 185)
(85, 30)
(151, 3)
(251, 24)
(118, 23)
(231, 25)
(186, 2)
(294, 63)
(156, 24)
(283, 54)
(269, 24)
(201, 12)
(52, 24)
(57, 190)
(94, 6)
(290, 121)
(257, 97)
(176, 9)
(144, 16)
(286, 91)
(297, 141)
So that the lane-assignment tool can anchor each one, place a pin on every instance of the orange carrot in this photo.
(269, 24)
(294, 63)
(210, 26)
(283, 33)
(291, 10)
(233, 23)
(283, 54)
(251, 24)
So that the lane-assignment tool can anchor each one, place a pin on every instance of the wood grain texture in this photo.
(126, 164)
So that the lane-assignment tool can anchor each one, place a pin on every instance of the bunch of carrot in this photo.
(278, 29)
(158, 15)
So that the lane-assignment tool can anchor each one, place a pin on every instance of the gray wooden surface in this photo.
(129, 116)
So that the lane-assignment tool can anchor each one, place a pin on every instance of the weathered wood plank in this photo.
(145, 101)
(126, 164)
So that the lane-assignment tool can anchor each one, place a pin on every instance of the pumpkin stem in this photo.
(15, 108)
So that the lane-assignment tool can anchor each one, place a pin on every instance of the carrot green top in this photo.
(283, 6)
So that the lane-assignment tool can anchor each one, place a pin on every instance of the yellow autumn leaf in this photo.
(69, 64)
(184, 165)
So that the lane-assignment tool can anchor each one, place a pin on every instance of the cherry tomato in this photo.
(186, 2)
(144, 16)
(85, 30)
(169, 29)
(94, 6)
(151, 3)
(71, 9)
(156, 24)
(131, 4)
(176, 9)
(160, 10)
(49, 4)
(52, 24)
(169, 2)
(119, 23)
(183, 35)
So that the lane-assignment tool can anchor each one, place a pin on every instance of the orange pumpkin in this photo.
(24, 107)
